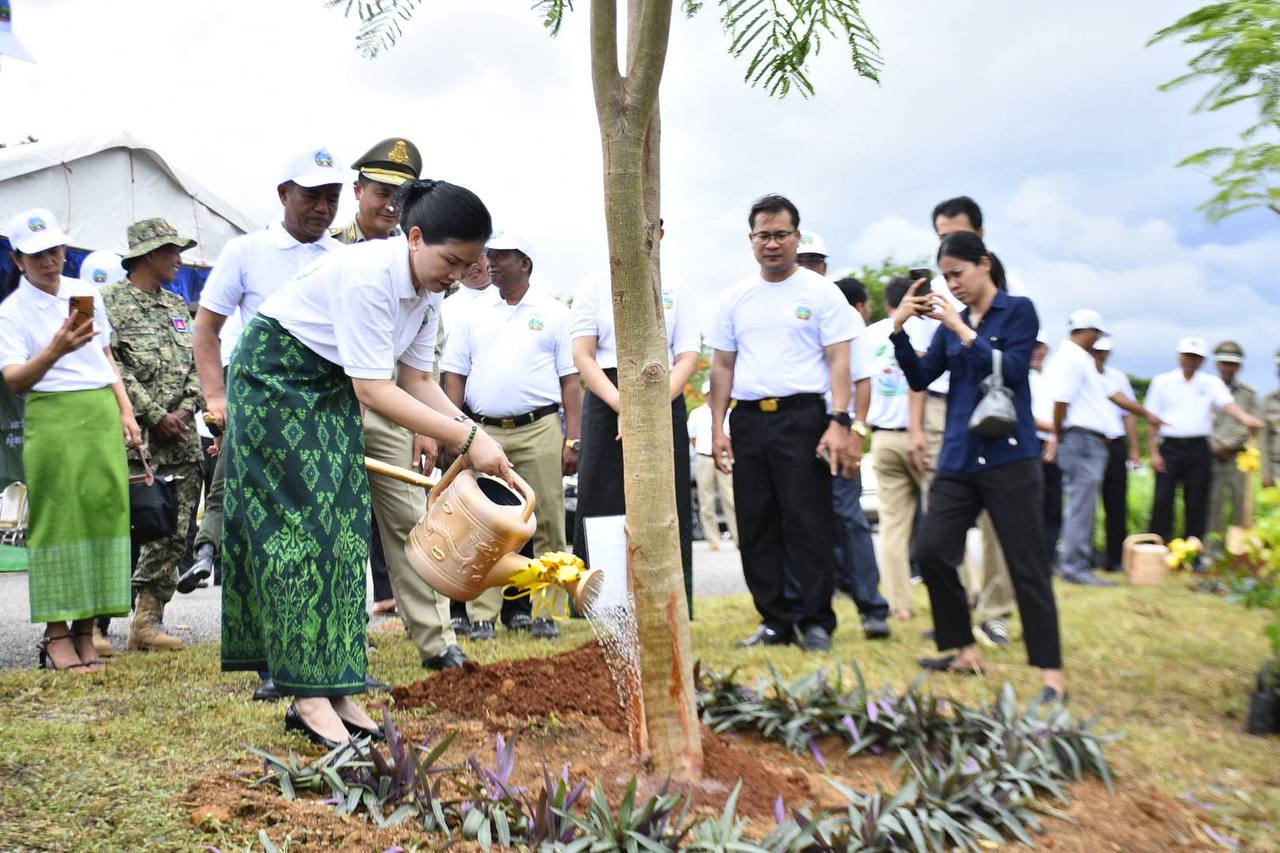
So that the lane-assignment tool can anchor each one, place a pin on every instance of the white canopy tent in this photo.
(98, 185)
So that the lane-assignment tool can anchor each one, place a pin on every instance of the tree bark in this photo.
(627, 108)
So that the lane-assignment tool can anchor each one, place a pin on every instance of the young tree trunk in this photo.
(629, 133)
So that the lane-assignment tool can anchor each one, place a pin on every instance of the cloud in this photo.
(893, 237)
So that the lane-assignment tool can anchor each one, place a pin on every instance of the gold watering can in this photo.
(474, 527)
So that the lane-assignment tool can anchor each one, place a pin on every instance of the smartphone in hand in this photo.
(921, 273)
(81, 311)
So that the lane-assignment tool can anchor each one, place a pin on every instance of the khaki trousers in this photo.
(535, 452)
(398, 506)
(1227, 484)
(711, 480)
(989, 582)
(899, 487)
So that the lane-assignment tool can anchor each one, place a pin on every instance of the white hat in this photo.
(811, 243)
(505, 241)
(1085, 318)
(1193, 346)
(101, 268)
(314, 167)
(35, 230)
(1102, 344)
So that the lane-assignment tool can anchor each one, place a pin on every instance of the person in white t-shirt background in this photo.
(712, 482)
(1042, 411)
(1122, 455)
(812, 253)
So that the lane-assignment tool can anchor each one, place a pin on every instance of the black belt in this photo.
(1197, 438)
(1092, 432)
(937, 395)
(779, 404)
(887, 429)
(517, 420)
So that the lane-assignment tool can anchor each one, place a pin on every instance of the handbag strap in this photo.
(146, 467)
(997, 373)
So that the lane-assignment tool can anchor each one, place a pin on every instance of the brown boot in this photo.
(102, 644)
(145, 633)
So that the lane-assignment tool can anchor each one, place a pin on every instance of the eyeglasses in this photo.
(771, 236)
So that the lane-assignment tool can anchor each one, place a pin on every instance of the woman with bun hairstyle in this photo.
(356, 328)
(1001, 473)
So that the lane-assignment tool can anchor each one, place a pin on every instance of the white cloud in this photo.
(892, 237)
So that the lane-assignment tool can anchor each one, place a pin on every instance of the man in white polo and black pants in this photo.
(508, 363)
(781, 342)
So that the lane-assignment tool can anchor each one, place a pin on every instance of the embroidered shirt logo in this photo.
(668, 301)
(803, 312)
(180, 324)
(536, 324)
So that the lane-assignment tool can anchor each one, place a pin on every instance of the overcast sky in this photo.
(1047, 114)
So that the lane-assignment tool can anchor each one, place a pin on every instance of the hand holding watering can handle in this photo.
(459, 464)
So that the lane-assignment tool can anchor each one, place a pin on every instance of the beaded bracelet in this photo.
(470, 438)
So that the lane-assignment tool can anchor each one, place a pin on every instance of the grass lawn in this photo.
(96, 762)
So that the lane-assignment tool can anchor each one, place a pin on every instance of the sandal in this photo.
(948, 664)
(97, 664)
(46, 662)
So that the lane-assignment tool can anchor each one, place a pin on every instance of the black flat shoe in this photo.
(373, 685)
(451, 658)
(267, 691)
(1049, 696)
(293, 722)
(378, 733)
(948, 664)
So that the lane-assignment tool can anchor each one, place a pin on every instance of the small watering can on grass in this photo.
(473, 530)
(1145, 559)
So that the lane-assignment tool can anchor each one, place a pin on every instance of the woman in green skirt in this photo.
(354, 330)
(73, 453)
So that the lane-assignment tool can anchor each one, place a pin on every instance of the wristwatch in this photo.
(574, 444)
(860, 428)
(841, 418)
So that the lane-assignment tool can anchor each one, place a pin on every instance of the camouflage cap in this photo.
(1229, 351)
(394, 161)
(150, 234)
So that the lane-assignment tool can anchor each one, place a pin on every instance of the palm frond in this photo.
(380, 22)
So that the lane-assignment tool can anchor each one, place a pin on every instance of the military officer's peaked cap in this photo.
(392, 161)
(1229, 351)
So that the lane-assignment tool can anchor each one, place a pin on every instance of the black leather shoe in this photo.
(875, 629)
(520, 622)
(1049, 696)
(376, 733)
(544, 629)
(373, 685)
(766, 636)
(816, 639)
(196, 574)
(461, 626)
(483, 631)
(293, 722)
(1086, 578)
(267, 691)
(451, 658)
(947, 663)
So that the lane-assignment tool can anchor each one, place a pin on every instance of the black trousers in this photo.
(1006, 492)
(1115, 503)
(1186, 461)
(378, 565)
(601, 478)
(782, 492)
(1052, 512)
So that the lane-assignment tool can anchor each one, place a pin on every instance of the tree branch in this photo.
(605, 76)
(648, 32)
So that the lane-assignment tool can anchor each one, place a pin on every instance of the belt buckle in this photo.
(769, 404)
(508, 423)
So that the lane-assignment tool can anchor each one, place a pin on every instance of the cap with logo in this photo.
(36, 230)
(1085, 318)
(394, 161)
(102, 268)
(1193, 346)
(314, 167)
(1229, 352)
(811, 243)
(150, 234)
(1102, 344)
(509, 240)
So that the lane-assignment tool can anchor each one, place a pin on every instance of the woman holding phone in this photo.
(54, 349)
(355, 328)
(1001, 474)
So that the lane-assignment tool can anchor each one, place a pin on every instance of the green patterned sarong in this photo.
(296, 537)
(78, 486)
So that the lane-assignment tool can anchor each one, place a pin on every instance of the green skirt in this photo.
(296, 516)
(78, 486)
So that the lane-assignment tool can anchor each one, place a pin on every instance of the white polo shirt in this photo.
(700, 428)
(463, 300)
(592, 316)
(29, 318)
(779, 331)
(1041, 400)
(358, 308)
(254, 266)
(920, 331)
(1073, 378)
(512, 355)
(1117, 382)
(1186, 405)
(890, 401)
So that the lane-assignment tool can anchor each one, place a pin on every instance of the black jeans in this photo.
(1186, 461)
(782, 492)
(1006, 492)
(1115, 502)
(1052, 512)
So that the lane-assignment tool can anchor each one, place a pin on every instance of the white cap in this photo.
(1193, 346)
(505, 241)
(314, 167)
(1042, 337)
(1102, 344)
(102, 268)
(811, 243)
(33, 231)
(1085, 318)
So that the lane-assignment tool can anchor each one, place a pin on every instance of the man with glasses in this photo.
(781, 342)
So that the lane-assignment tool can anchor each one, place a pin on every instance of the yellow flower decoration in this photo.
(1249, 460)
(1182, 552)
(543, 581)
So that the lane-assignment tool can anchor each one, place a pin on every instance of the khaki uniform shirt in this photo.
(152, 341)
(1271, 435)
(1228, 432)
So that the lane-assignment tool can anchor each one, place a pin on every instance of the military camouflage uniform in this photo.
(1228, 481)
(152, 342)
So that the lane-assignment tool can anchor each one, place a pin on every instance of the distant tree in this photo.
(876, 277)
(1240, 58)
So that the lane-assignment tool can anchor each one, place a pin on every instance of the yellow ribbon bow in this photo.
(1183, 551)
(543, 581)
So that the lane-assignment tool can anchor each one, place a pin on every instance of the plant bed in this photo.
(546, 709)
